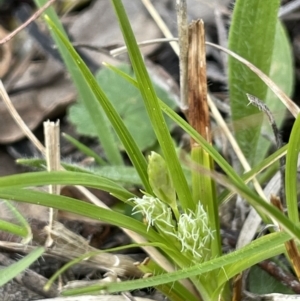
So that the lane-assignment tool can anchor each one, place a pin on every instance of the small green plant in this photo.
(179, 221)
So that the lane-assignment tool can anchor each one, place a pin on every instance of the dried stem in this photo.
(51, 134)
(160, 23)
(197, 82)
(183, 40)
(31, 19)
(281, 275)
(24, 128)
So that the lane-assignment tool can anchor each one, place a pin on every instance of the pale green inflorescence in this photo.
(156, 212)
(192, 231)
(195, 234)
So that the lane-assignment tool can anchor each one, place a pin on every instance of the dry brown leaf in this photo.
(98, 26)
(43, 101)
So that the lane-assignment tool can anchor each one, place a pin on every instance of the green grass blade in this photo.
(204, 190)
(173, 291)
(272, 243)
(252, 36)
(291, 178)
(24, 225)
(87, 95)
(81, 208)
(248, 176)
(84, 149)
(13, 228)
(67, 178)
(153, 109)
(15, 269)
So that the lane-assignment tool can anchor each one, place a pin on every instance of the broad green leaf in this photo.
(252, 36)
(128, 103)
(15, 269)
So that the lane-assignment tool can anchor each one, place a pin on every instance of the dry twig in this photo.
(31, 19)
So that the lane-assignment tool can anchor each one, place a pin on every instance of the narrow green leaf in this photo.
(43, 178)
(24, 227)
(153, 109)
(204, 191)
(272, 243)
(252, 36)
(174, 291)
(15, 269)
(87, 95)
(81, 208)
(291, 172)
(67, 178)
(248, 176)
(84, 149)
(13, 228)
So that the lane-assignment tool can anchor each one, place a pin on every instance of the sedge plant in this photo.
(178, 221)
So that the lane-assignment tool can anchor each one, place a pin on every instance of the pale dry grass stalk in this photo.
(23, 127)
(183, 41)
(52, 144)
(160, 23)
